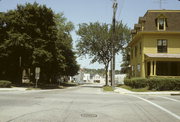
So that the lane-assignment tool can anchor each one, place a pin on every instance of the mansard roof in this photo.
(150, 20)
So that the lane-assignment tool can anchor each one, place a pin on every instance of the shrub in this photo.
(164, 84)
(5, 84)
(159, 84)
(136, 82)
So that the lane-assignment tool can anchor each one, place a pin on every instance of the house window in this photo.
(162, 46)
(132, 68)
(132, 53)
(133, 71)
(138, 67)
(161, 24)
(136, 50)
(140, 48)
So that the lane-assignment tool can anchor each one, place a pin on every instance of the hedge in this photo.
(164, 84)
(159, 84)
(5, 84)
(136, 82)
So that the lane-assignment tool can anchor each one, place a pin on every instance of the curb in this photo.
(175, 94)
(13, 89)
(146, 93)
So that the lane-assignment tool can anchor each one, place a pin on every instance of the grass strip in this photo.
(108, 88)
(135, 90)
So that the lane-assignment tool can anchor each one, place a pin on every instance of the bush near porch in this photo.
(159, 84)
(136, 82)
(5, 84)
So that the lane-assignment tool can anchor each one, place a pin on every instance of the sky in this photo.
(85, 11)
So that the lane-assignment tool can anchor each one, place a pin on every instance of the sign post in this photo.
(37, 74)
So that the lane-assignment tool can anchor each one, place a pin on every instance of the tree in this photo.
(64, 45)
(125, 61)
(96, 41)
(3, 52)
(125, 54)
(31, 36)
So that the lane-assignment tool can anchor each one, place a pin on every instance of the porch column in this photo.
(146, 71)
(151, 68)
(154, 68)
(143, 69)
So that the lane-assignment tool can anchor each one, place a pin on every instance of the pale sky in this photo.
(85, 11)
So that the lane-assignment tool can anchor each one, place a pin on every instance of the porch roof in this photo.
(177, 56)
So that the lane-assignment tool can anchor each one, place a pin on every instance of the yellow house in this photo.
(155, 45)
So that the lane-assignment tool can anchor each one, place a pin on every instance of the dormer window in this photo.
(161, 24)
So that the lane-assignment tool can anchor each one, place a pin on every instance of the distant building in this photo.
(78, 78)
(98, 79)
(86, 78)
(155, 47)
(119, 78)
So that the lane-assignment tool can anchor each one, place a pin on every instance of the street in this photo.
(86, 103)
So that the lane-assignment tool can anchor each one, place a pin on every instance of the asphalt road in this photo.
(86, 103)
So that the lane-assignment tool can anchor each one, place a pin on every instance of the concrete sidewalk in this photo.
(125, 91)
(13, 89)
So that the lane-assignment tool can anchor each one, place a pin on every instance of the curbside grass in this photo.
(145, 89)
(107, 88)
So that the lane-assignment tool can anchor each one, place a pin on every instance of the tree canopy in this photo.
(33, 35)
(96, 41)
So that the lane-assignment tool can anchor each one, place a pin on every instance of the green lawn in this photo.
(108, 88)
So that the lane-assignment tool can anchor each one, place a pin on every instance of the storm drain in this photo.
(89, 115)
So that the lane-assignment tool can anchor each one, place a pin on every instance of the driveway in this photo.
(87, 103)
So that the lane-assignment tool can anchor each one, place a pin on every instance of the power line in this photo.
(161, 2)
(121, 6)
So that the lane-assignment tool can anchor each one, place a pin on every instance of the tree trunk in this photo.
(106, 68)
(32, 75)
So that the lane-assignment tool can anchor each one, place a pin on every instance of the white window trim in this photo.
(164, 24)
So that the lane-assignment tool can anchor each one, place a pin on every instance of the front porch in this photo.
(159, 65)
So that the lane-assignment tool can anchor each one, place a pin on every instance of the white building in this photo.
(78, 78)
(86, 78)
(98, 79)
(119, 78)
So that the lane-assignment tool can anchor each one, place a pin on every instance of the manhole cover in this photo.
(88, 115)
(38, 97)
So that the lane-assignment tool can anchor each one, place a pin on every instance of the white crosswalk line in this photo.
(156, 105)
(169, 98)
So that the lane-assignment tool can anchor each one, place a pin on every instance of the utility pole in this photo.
(115, 4)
